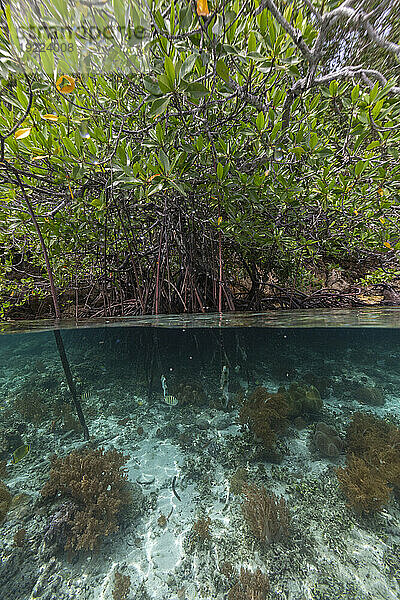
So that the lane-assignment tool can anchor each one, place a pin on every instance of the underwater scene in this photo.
(232, 463)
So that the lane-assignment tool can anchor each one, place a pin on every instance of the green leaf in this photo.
(154, 189)
(47, 60)
(159, 133)
(151, 86)
(373, 145)
(197, 90)
(159, 106)
(324, 152)
(62, 7)
(11, 28)
(172, 17)
(218, 25)
(313, 140)
(373, 92)
(355, 92)
(363, 117)
(298, 150)
(97, 203)
(220, 171)
(360, 166)
(359, 140)
(159, 20)
(169, 70)
(164, 161)
(185, 17)
(119, 12)
(22, 97)
(77, 172)
(164, 83)
(276, 129)
(188, 65)
(78, 139)
(333, 88)
(315, 101)
(177, 186)
(252, 43)
(377, 108)
(260, 121)
(271, 29)
(70, 147)
(222, 70)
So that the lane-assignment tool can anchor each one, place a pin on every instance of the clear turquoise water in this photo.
(183, 460)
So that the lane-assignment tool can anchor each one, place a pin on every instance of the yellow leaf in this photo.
(387, 245)
(40, 157)
(65, 84)
(50, 117)
(219, 220)
(380, 191)
(20, 134)
(382, 220)
(202, 8)
(355, 211)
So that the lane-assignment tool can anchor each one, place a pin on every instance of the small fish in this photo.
(86, 395)
(19, 453)
(171, 400)
(164, 385)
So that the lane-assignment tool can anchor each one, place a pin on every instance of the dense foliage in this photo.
(185, 162)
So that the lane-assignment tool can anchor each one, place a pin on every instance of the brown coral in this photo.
(373, 462)
(373, 396)
(95, 482)
(267, 516)
(122, 585)
(238, 480)
(326, 441)
(265, 414)
(201, 529)
(3, 468)
(251, 586)
(366, 432)
(30, 406)
(363, 485)
(189, 393)
(302, 399)
(19, 538)
(5, 500)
